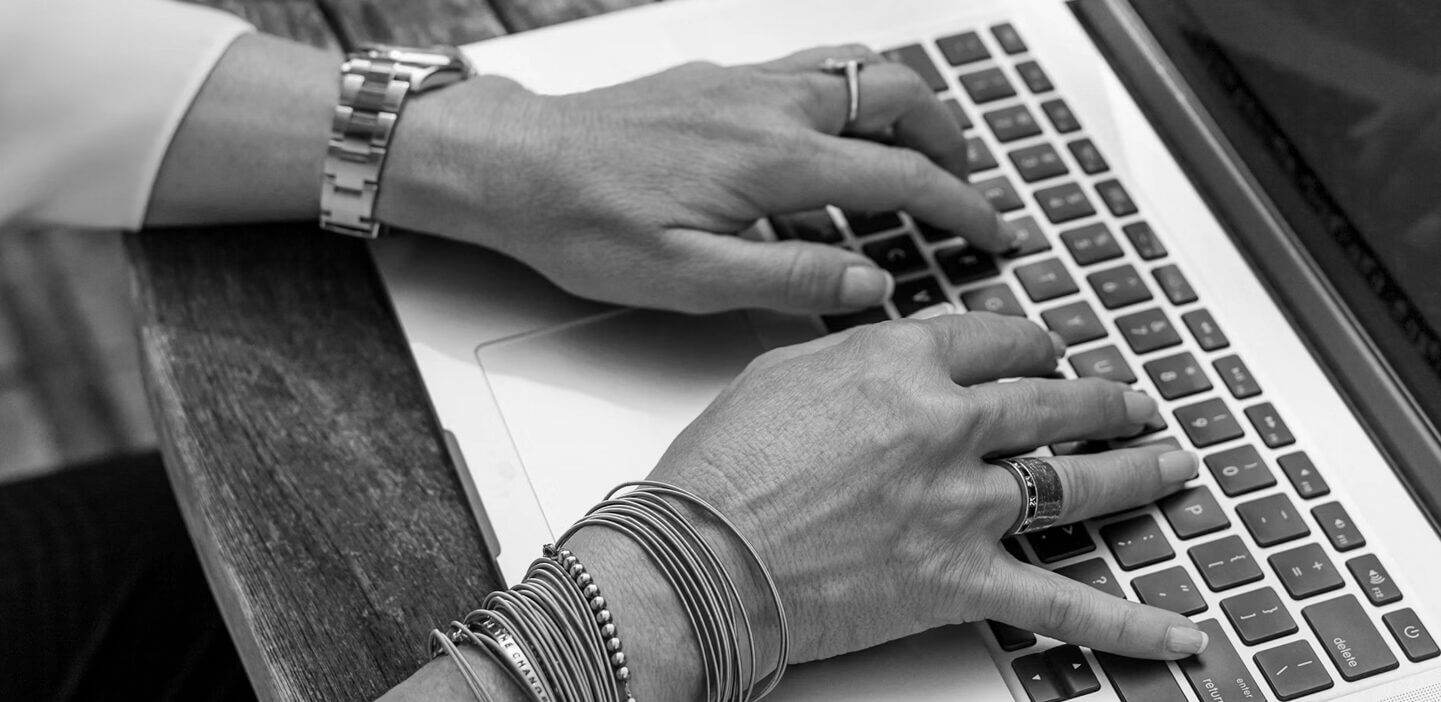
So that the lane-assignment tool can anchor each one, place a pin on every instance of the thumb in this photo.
(790, 276)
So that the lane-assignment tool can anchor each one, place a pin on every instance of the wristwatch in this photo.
(374, 84)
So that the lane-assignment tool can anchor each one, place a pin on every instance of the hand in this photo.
(857, 464)
(631, 194)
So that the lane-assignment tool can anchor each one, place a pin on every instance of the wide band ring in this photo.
(851, 70)
(1041, 493)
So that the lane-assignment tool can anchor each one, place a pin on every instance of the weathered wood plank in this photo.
(414, 22)
(520, 15)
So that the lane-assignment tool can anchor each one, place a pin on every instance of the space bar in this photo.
(1217, 673)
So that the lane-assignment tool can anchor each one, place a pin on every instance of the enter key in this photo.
(1217, 673)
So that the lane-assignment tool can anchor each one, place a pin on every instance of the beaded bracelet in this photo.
(591, 592)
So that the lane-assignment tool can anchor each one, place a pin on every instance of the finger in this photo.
(824, 342)
(1030, 412)
(1052, 605)
(895, 104)
(980, 347)
(812, 58)
(1111, 481)
(791, 276)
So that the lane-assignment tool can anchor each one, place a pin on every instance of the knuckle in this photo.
(902, 337)
(1064, 609)
(807, 281)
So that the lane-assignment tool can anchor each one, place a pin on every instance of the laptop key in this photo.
(1218, 673)
(1239, 470)
(996, 298)
(1225, 563)
(1338, 527)
(1305, 571)
(1350, 639)
(964, 264)
(1063, 203)
(842, 322)
(1105, 362)
(999, 193)
(1096, 573)
(1088, 156)
(913, 296)
(1208, 423)
(1137, 542)
(1374, 579)
(897, 254)
(1269, 425)
(915, 57)
(868, 223)
(1061, 116)
(1029, 237)
(1077, 323)
(1193, 512)
(979, 155)
(1038, 162)
(1177, 376)
(1009, 39)
(1416, 641)
(1303, 476)
(1272, 520)
(1012, 123)
(814, 226)
(1011, 638)
(1119, 287)
(1012, 544)
(1258, 616)
(1092, 243)
(1237, 377)
(1171, 589)
(1117, 200)
(1293, 670)
(1061, 542)
(1144, 239)
(1204, 328)
(963, 48)
(1140, 680)
(986, 86)
(1148, 330)
(1174, 284)
(1072, 670)
(1035, 676)
(958, 113)
(1046, 280)
(1034, 78)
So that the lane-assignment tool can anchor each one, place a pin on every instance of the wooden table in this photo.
(332, 526)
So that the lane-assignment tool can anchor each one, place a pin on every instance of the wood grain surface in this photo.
(332, 526)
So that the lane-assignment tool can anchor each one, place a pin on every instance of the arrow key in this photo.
(1037, 679)
(1070, 668)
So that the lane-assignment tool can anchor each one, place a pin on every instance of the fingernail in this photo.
(1186, 640)
(865, 285)
(1058, 344)
(1140, 408)
(943, 308)
(1178, 466)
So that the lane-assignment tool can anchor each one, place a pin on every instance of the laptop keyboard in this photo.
(1273, 568)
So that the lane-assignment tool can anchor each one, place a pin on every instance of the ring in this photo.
(851, 69)
(1041, 493)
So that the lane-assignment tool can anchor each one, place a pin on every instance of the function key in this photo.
(1193, 512)
(1137, 542)
(1119, 287)
(1236, 376)
(1170, 589)
(1012, 123)
(1218, 673)
(1117, 200)
(999, 193)
(897, 254)
(918, 60)
(1259, 616)
(964, 264)
(1338, 527)
(1070, 667)
(1208, 335)
(1177, 376)
(958, 113)
(1239, 470)
(1174, 284)
(1077, 323)
(1088, 156)
(1303, 475)
(867, 223)
(1034, 78)
(1038, 162)
(1145, 241)
(1008, 38)
(1208, 423)
(1036, 677)
(1225, 563)
(1061, 542)
(1096, 573)
(842, 322)
(1272, 520)
(1061, 116)
(1415, 640)
(1148, 330)
(1140, 680)
(963, 48)
(913, 296)
(1011, 638)
(996, 298)
(1046, 280)
(815, 226)
(1293, 670)
(1029, 237)
(1092, 243)
(1269, 425)
(1306, 571)
(1374, 579)
(986, 86)
(1105, 362)
(979, 155)
(1349, 637)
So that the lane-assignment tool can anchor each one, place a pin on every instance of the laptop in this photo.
(1229, 204)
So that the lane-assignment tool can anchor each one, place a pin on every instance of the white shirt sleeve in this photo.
(94, 90)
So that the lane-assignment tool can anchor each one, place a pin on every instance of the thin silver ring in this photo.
(851, 69)
(1041, 494)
